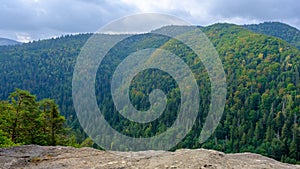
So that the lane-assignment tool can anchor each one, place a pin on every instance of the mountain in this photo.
(35, 157)
(262, 106)
(277, 29)
(4, 42)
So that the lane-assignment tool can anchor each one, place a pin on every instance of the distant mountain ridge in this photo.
(6, 42)
(277, 29)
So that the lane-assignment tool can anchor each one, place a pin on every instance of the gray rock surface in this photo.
(33, 156)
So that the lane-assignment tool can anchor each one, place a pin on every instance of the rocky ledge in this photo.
(33, 156)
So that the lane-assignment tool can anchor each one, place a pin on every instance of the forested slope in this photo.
(5, 42)
(277, 29)
(262, 110)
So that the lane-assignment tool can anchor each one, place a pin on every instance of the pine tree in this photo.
(52, 119)
(25, 113)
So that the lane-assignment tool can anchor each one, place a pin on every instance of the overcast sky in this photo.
(26, 20)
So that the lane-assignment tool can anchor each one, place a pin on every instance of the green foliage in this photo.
(88, 142)
(5, 141)
(262, 111)
(72, 141)
(51, 120)
(26, 121)
(277, 29)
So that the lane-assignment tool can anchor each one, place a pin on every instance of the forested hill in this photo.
(277, 29)
(262, 110)
(5, 42)
(45, 68)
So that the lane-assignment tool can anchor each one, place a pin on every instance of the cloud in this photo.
(141, 23)
(205, 12)
(258, 10)
(38, 19)
(43, 18)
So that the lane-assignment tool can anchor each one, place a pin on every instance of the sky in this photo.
(27, 20)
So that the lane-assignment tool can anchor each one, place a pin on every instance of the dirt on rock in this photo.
(58, 157)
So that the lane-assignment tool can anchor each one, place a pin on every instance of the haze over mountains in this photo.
(4, 42)
(261, 63)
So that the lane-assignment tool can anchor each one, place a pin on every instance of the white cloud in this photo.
(23, 37)
(206, 12)
(46, 18)
(191, 10)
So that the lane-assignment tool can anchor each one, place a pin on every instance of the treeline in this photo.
(24, 120)
(277, 29)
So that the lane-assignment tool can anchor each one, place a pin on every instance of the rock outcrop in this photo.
(33, 156)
